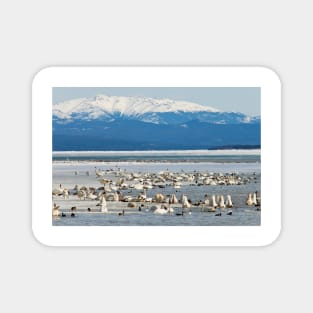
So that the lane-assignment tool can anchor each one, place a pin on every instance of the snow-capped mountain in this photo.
(149, 110)
(102, 106)
(112, 122)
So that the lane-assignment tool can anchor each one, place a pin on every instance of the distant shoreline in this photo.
(236, 147)
(212, 151)
(223, 161)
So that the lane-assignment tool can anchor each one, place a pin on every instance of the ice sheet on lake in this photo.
(163, 152)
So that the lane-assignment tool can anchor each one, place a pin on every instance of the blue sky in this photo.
(246, 100)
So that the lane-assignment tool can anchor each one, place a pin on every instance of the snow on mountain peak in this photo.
(102, 105)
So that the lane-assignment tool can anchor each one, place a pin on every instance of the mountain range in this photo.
(140, 123)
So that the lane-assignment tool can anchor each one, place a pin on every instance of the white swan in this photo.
(229, 203)
(65, 193)
(159, 198)
(104, 181)
(128, 199)
(206, 200)
(58, 191)
(103, 205)
(55, 210)
(214, 204)
(221, 203)
(249, 200)
(91, 196)
(82, 194)
(254, 201)
(99, 173)
(173, 199)
(113, 187)
(161, 209)
(206, 207)
(206, 181)
(185, 202)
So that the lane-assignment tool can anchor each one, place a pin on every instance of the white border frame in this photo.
(156, 77)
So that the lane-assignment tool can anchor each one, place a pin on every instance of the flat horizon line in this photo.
(206, 151)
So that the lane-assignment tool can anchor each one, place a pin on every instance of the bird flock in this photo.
(122, 186)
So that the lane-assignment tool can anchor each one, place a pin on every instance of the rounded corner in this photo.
(273, 239)
(38, 239)
(41, 73)
(273, 74)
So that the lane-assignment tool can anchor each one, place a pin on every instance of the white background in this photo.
(36, 34)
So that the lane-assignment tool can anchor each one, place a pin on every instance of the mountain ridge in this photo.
(157, 111)
(83, 125)
(100, 105)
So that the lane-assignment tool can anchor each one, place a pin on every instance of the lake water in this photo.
(70, 171)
